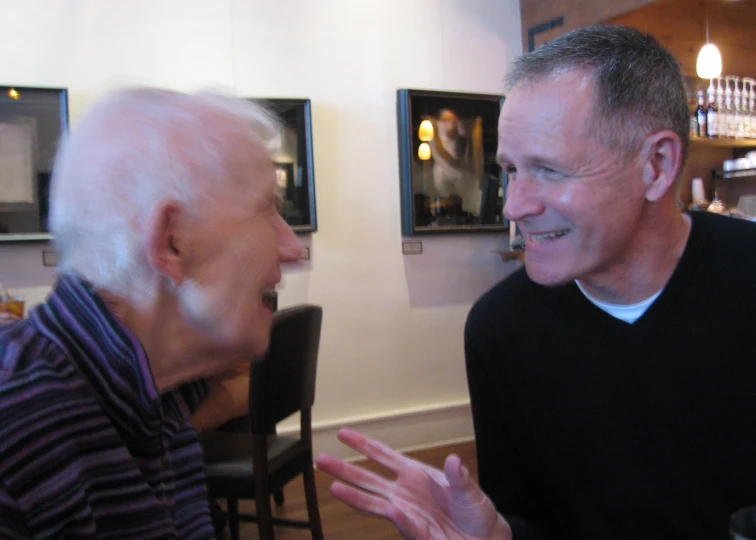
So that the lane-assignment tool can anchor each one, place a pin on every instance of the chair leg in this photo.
(278, 497)
(311, 496)
(264, 513)
(219, 522)
(233, 518)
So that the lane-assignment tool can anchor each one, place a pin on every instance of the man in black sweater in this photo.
(611, 378)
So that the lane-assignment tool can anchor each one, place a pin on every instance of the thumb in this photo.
(469, 508)
(463, 491)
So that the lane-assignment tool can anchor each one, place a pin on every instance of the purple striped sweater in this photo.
(88, 447)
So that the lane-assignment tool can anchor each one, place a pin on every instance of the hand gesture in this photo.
(422, 502)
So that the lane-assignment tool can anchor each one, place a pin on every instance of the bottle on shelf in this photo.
(752, 106)
(698, 198)
(745, 112)
(701, 115)
(722, 116)
(729, 108)
(712, 119)
(737, 105)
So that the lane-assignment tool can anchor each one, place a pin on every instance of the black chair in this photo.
(258, 463)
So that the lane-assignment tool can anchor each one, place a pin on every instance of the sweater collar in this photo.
(105, 352)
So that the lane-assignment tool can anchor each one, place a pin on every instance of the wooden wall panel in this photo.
(576, 13)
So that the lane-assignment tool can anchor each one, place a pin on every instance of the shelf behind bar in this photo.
(736, 173)
(723, 142)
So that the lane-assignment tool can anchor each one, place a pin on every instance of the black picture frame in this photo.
(294, 162)
(459, 189)
(32, 120)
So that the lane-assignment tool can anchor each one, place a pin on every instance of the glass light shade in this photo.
(424, 152)
(425, 131)
(709, 63)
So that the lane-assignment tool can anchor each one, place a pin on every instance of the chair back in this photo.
(283, 382)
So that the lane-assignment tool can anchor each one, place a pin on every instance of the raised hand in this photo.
(422, 502)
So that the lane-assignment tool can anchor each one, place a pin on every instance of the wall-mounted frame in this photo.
(450, 179)
(295, 173)
(31, 123)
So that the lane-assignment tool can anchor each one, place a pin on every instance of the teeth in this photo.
(546, 236)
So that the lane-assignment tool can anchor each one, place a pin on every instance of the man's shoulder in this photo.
(723, 226)
(23, 348)
(507, 298)
(725, 242)
(36, 378)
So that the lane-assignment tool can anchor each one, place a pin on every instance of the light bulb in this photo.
(424, 152)
(709, 63)
(425, 131)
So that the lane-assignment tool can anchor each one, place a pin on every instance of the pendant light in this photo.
(709, 63)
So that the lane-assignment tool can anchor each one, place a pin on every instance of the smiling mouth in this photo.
(270, 299)
(541, 237)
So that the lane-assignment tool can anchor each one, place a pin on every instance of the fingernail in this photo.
(463, 472)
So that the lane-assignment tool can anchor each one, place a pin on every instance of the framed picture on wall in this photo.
(32, 121)
(295, 176)
(449, 177)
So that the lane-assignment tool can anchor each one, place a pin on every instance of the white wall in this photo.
(392, 354)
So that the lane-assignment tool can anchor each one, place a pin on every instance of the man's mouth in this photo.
(270, 299)
(542, 237)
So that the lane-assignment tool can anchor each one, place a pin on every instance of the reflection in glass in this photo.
(295, 178)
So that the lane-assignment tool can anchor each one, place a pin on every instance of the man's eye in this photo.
(549, 172)
(510, 169)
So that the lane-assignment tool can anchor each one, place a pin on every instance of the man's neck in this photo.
(176, 352)
(651, 261)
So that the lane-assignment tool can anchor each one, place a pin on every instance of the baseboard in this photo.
(405, 430)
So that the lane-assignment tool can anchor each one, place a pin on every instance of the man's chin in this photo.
(546, 277)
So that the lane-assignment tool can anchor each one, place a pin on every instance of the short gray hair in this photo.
(133, 150)
(638, 86)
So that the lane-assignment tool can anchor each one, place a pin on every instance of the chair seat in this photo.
(228, 461)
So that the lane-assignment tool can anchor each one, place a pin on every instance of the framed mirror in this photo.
(295, 175)
(449, 177)
(31, 123)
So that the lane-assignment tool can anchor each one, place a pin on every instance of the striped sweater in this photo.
(88, 447)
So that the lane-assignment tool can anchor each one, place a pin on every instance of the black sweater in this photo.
(588, 427)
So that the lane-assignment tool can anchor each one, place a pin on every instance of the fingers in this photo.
(374, 450)
(374, 506)
(353, 474)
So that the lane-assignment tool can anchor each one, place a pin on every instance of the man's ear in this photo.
(164, 241)
(662, 159)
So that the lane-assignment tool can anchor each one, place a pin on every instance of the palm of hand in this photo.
(423, 502)
(423, 494)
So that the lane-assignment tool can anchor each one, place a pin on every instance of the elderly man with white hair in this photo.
(164, 213)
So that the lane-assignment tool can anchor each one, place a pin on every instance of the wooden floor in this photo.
(339, 521)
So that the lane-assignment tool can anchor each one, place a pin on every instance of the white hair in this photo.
(131, 152)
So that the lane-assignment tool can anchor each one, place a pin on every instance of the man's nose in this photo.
(523, 199)
(289, 248)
